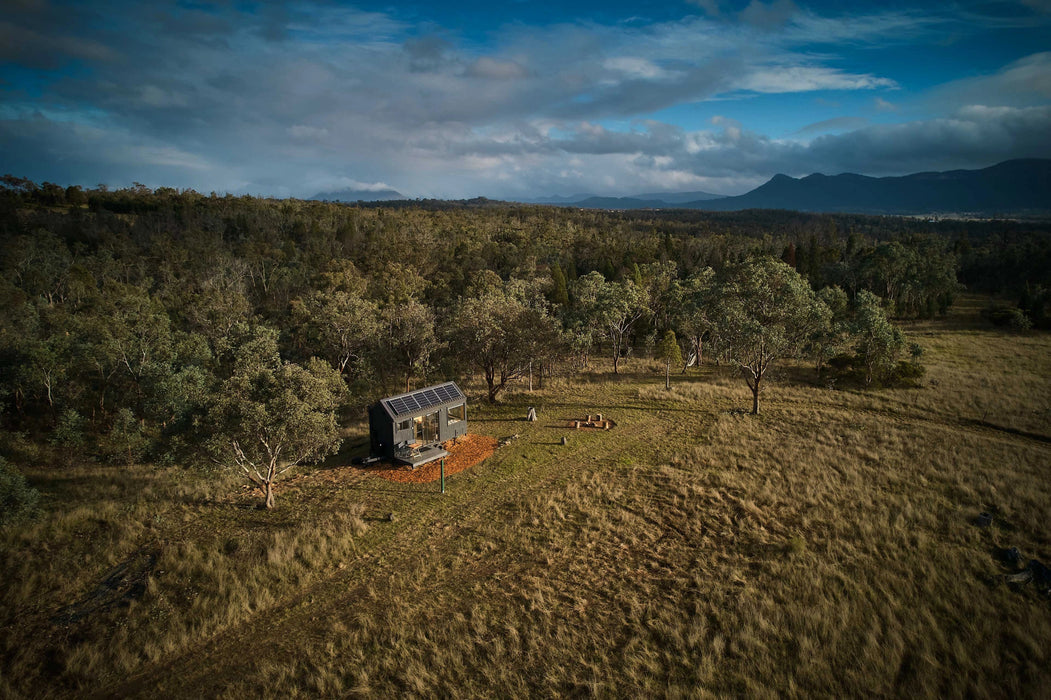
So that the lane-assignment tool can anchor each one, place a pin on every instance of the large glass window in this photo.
(458, 413)
(425, 428)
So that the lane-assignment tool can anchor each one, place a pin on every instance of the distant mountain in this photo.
(621, 203)
(678, 197)
(1014, 187)
(1011, 187)
(349, 195)
(559, 199)
(652, 200)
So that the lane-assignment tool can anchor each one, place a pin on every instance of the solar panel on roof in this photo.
(423, 399)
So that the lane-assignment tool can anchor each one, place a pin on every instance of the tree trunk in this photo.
(268, 489)
(755, 396)
(490, 380)
(667, 375)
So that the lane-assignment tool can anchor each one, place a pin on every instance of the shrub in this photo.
(125, 442)
(1008, 316)
(18, 500)
(905, 373)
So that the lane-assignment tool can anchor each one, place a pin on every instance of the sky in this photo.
(519, 99)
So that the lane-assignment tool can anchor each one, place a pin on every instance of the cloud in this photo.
(303, 132)
(783, 79)
(93, 154)
(1026, 81)
(289, 101)
(25, 47)
(974, 137)
(344, 183)
(492, 69)
(883, 105)
(634, 67)
(427, 53)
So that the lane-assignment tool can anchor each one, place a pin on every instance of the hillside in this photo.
(1011, 188)
(828, 547)
(649, 200)
(352, 195)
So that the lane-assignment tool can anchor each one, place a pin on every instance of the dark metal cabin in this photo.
(408, 427)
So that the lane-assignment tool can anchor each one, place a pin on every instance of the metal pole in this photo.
(443, 474)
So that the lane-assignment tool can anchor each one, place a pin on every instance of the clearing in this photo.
(826, 547)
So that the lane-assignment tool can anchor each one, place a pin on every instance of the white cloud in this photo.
(1026, 81)
(344, 183)
(784, 79)
(634, 67)
(226, 99)
(883, 105)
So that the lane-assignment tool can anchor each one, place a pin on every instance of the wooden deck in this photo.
(423, 455)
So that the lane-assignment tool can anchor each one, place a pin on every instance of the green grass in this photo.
(826, 547)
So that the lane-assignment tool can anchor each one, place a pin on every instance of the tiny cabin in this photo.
(410, 427)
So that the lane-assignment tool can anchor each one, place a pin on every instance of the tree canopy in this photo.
(767, 312)
(122, 313)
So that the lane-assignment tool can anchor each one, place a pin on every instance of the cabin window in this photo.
(403, 425)
(425, 428)
(458, 413)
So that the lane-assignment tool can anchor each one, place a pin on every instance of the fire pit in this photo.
(592, 422)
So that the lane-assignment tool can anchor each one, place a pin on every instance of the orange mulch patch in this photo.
(464, 453)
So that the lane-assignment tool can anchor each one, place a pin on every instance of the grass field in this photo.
(827, 547)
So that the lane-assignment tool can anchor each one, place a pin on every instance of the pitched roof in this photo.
(421, 401)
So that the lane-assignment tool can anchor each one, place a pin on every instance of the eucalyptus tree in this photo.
(693, 313)
(669, 351)
(877, 343)
(269, 415)
(768, 312)
(501, 329)
(338, 322)
(612, 308)
(835, 339)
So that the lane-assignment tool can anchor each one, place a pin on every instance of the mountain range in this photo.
(634, 201)
(1014, 187)
(351, 196)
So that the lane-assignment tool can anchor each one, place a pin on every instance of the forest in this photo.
(173, 327)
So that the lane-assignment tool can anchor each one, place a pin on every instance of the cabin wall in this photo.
(386, 433)
(448, 431)
(381, 432)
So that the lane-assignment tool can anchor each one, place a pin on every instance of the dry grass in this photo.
(827, 547)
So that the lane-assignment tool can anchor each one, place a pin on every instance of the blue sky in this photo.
(515, 99)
